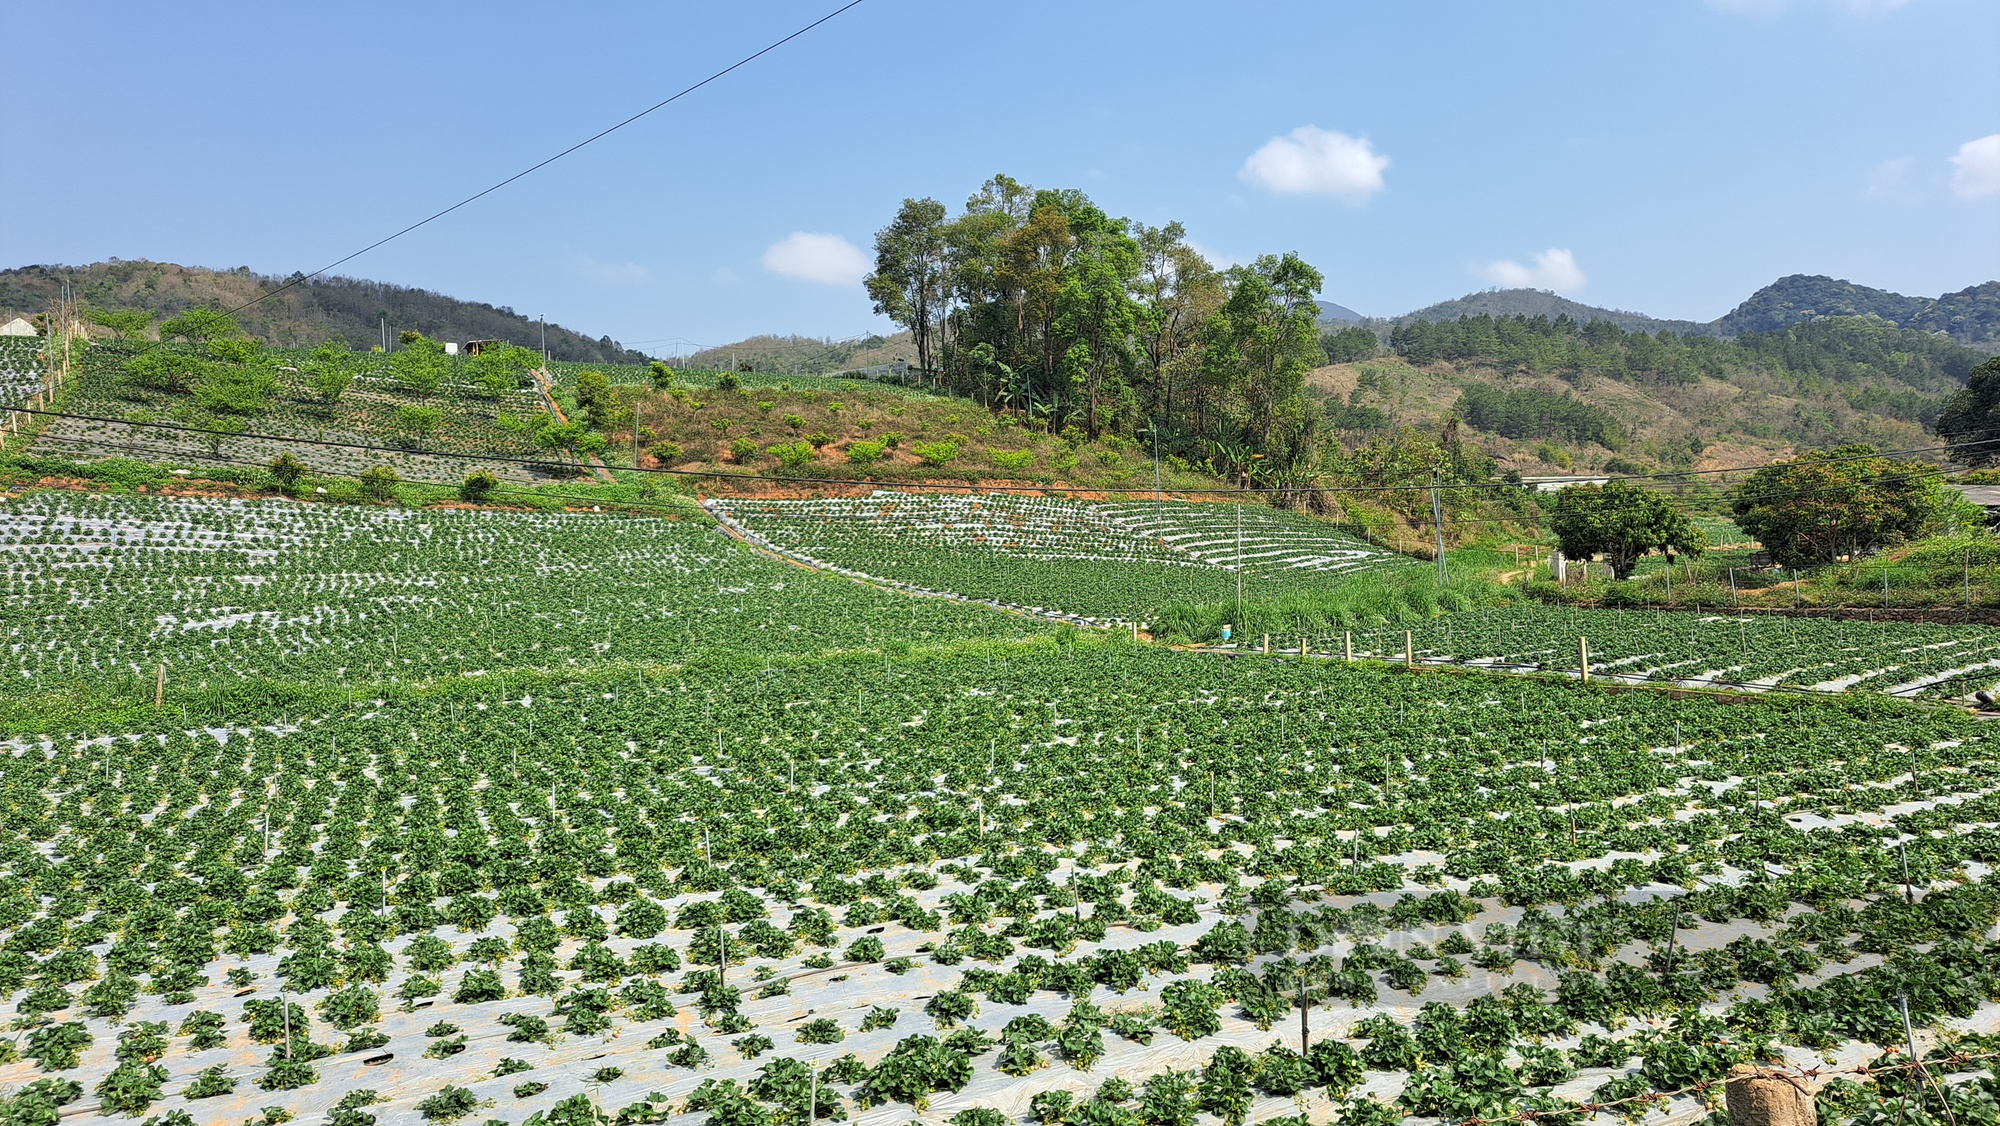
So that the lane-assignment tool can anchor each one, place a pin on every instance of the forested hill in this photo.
(1970, 316)
(1546, 396)
(349, 309)
(1540, 303)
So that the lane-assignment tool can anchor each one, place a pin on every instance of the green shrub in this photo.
(1012, 460)
(865, 453)
(936, 453)
(794, 456)
(478, 486)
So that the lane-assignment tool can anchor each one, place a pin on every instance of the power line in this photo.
(677, 96)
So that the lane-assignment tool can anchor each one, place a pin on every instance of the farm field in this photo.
(366, 415)
(21, 374)
(1123, 561)
(1079, 882)
(1095, 560)
(100, 590)
(1909, 659)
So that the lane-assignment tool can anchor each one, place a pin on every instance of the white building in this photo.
(18, 327)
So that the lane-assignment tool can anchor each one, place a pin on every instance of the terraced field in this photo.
(101, 591)
(1909, 659)
(1095, 561)
(21, 372)
(368, 415)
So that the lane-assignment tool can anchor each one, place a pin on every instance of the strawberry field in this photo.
(576, 818)
(1098, 561)
(21, 371)
(100, 591)
(372, 412)
(1055, 882)
(1908, 659)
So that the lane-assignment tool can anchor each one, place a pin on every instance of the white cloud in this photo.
(820, 259)
(1554, 268)
(1889, 178)
(1976, 168)
(1315, 161)
(609, 273)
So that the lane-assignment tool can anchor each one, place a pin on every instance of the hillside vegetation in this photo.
(326, 308)
(1548, 396)
(1969, 316)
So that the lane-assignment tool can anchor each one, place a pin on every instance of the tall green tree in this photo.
(1622, 522)
(1970, 421)
(1177, 291)
(1266, 338)
(910, 284)
(1841, 501)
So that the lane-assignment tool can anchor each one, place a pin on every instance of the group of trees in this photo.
(1528, 412)
(1812, 356)
(1818, 508)
(1970, 421)
(1841, 502)
(1037, 302)
(231, 375)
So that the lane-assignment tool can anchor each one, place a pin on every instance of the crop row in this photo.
(103, 590)
(1084, 880)
(1911, 659)
(1094, 560)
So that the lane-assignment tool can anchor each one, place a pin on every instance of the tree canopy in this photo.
(1971, 418)
(1836, 502)
(1622, 522)
(1043, 306)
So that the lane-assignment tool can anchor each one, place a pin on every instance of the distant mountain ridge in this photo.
(1542, 303)
(1970, 316)
(327, 308)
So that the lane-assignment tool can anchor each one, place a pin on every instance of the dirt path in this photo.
(546, 387)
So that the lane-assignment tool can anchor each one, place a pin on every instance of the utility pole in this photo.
(1437, 521)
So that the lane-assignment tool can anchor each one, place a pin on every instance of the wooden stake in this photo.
(1347, 639)
(1409, 653)
(1267, 645)
(160, 688)
(1583, 657)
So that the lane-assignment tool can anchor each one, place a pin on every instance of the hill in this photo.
(1970, 316)
(1541, 303)
(807, 355)
(328, 308)
(1546, 396)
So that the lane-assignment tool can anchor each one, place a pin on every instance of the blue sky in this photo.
(1668, 157)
